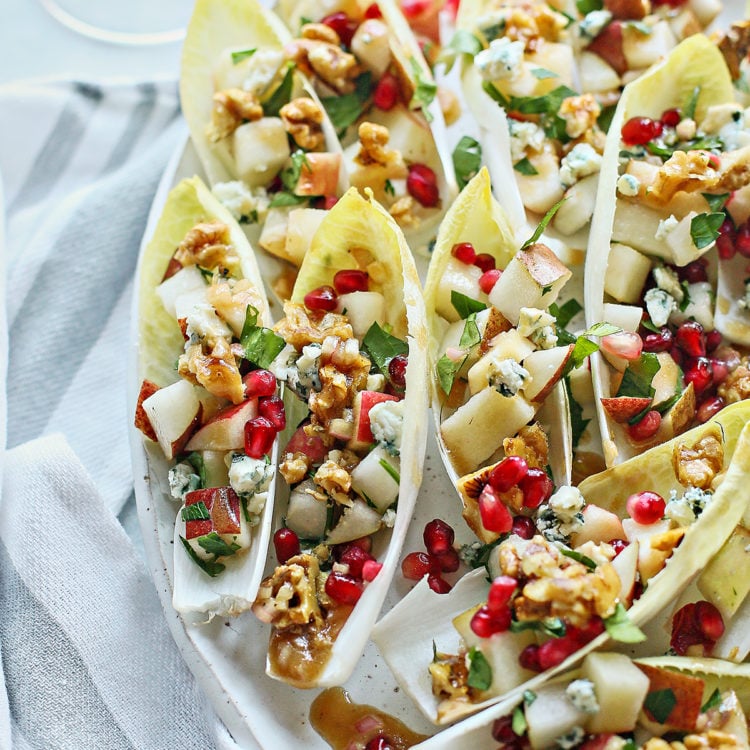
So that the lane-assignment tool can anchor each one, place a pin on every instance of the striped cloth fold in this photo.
(87, 657)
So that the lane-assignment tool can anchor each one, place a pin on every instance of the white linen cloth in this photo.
(87, 658)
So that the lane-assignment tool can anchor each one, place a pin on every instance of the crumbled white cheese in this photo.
(582, 695)
(628, 185)
(203, 323)
(300, 371)
(570, 740)
(592, 24)
(506, 376)
(389, 518)
(261, 68)
(734, 134)
(665, 227)
(567, 503)
(245, 204)
(659, 306)
(386, 423)
(524, 136)
(698, 304)
(182, 479)
(684, 510)
(686, 129)
(249, 475)
(668, 280)
(581, 161)
(562, 515)
(537, 326)
(503, 59)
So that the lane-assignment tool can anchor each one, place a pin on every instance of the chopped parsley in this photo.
(346, 109)
(546, 219)
(261, 345)
(462, 43)
(465, 306)
(238, 57)
(209, 567)
(704, 228)
(525, 167)
(424, 91)
(480, 672)
(638, 376)
(281, 95)
(619, 627)
(381, 347)
(660, 704)
(196, 512)
(467, 158)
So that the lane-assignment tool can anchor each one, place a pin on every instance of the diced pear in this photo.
(545, 368)
(273, 236)
(371, 46)
(225, 431)
(725, 581)
(306, 516)
(507, 345)
(173, 412)
(188, 301)
(553, 56)
(680, 242)
(540, 191)
(533, 278)
(637, 225)
(688, 691)
(319, 174)
(729, 717)
(667, 380)
(475, 430)
(374, 482)
(734, 645)
(215, 468)
(627, 272)
(582, 388)
(362, 309)
(705, 10)
(458, 277)
(302, 225)
(578, 208)
(186, 280)
(650, 560)
(551, 715)
(260, 150)
(738, 205)
(642, 50)
(599, 525)
(253, 73)
(596, 75)
(685, 24)
(620, 690)
(357, 521)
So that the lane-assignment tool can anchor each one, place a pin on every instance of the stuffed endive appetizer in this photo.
(613, 702)
(667, 257)
(203, 344)
(372, 78)
(593, 563)
(264, 139)
(356, 358)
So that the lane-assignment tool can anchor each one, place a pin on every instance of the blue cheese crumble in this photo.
(669, 281)
(628, 185)
(572, 739)
(182, 479)
(562, 516)
(386, 423)
(592, 23)
(581, 161)
(684, 510)
(249, 478)
(300, 371)
(245, 204)
(524, 136)
(203, 324)
(507, 376)
(582, 695)
(503, 59)
(665, 227)
(659, 306)
(538, 327)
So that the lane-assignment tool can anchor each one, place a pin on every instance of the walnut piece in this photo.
(697, 466)
(579, 113)
(230, 300)
(232, 108)
(320, 32)
(530, 444)
(533, 24)
(302, 118)
(710, 740)
(450, 677)
(207, 244)
(335, 480)
(331, 64)
(299, 327)
(734, 45)
(402, 211)
(736, 386)
(294, 467)
(373, 142)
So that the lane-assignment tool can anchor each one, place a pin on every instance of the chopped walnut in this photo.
(294, 467)
(736, 386)
(334, 475)
(710, 740)
(533, 23)
(217, 370)
(231, 108)
(450, 677)
(207, 244)
(334, 396)
(579, 113)
(288, 597)
(734, 45)
(403, 212)
(230, 300)
(335, 67)
(530, 444)
(302, 118)
(299, 327)
(697, 466)
(373, 142)
(320, 32)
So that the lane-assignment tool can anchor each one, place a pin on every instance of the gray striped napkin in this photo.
(87, 658)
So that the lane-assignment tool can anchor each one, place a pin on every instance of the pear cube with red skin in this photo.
(546, 367)
(141, 421)
(688, 692)
(223, 506)
(623, 408)
(173, 412)
(363, 402)
(319, 175)
(599, 525)
(311, 445)
(608, 45)
(225, 431)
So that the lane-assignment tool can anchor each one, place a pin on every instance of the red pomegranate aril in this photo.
(556, 651)
(373, 11)
(397, 370)
(438, 584)
(640, 130)
(259, 383)
(386, 93)
(286, 544)
(508, 473)
(701, 375)
(501, 590)
(523, 527)
(342, 588)
(488, 279)
(646, 427)
(493, 513)
(322, 298)
(671, 117)
(351, 280)
(729, 355)
(713, 340)
(677, 355)
(380, 743)
(685, 631)
(272, 408)
(618, 545)
(363, 542)
(537, 488)
(421, 184)
(720, 370)
(502, 730)
(694, 272)
(529, 658)
(485, 262)
(342, 25)
(259, 436)
(438, 536)
(709, 408)
(645, 507)
(412, 8)
(355, 558)
(709, 620)
(370, 570)
(658, 342)
(626, 344)
(691, 339)
(742, 240)
(449, 561)
(485, 623)
(416, 565)
(725, 242)
(464, 251)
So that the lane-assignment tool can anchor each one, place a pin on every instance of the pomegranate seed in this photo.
(720, 371)
(529, 658)
(640, 130)
(691, 339)
(438, 585)
(272, 408)
(645, 507)
(342, 25)
(449, 561)
(677, 355)
(501, 590)
(488, 279)
(536, 487)
(701, 375)
(626, 344)
(422, 185)
(373, 11)
(397, 370)
(416, 565)
(556, 651)
(709, 620)
(380, 743)
(725, 242)
(493, 513)
(502, 730)
(355, 557)
(485, 623)
(370, 570)
(709, 408)
(259, 436)
(485, 262)
(523, 527)
(386, 93)
(286, 544)
(646, 427)
(508, 473)
(412, 8)
(363, 542)
(586, 633)
(438, 537)
(728, 355)
(713, 340)
(464, 251)
(259, 383)
(322, 298)
(351, 280)
(671, 117)
(342, 588)
(742, 241)
(684, 630)
(693, 272)
(658, 342)
(618, 545)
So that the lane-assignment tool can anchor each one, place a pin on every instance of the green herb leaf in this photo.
(578, 557)
(566, 312)
(390, 470)
(621, 629)
(282, 95)
(577, 423)
(552, 626)
(261, 345)
(446, 372)
(381, 347)
(605, 118)
(478, 557)
(470, 336)
(467, 159)
(660, 704)
(547, 218)
(704, 228)
(638, 375)
(389, 189)
(692, 103)
(640, 27)
(480, 672)
(462, 43)
(207, 566)
(518, 722)
(196, 512)
(195, 459)
(464, 305)
(215, 545)
(290, 175)
(238, 57)
(583, 348)
(346, 109)
(542, 73)
(282, 198)
(713, 701)
(586, 6)
(525, 167)
(602, 329)
(529, 696)
(424, 91)
(716, 202)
